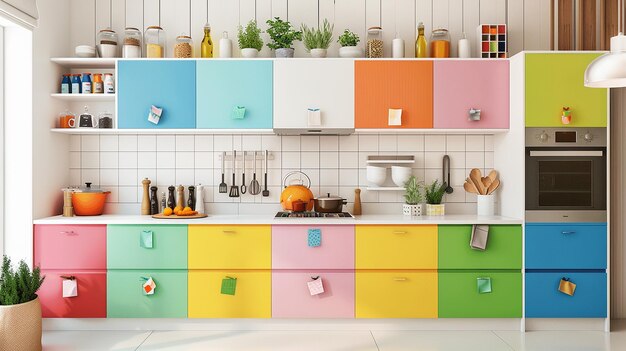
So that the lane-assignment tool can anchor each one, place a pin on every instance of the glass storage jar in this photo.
(440, 43)
(183, 47)
(106, 43)
(132, 43)
(374, 46)
(154, 39)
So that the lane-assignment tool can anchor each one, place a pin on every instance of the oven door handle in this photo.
(569, 153)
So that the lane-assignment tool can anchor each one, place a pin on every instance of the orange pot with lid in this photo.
(296, 191)
(88, 201)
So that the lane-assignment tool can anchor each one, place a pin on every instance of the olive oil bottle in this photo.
(206, 49)
(420, 42)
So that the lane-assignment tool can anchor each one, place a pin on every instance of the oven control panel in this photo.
(576, 137)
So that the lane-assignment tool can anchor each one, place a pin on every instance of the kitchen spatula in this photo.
(234, 189)
(223, 187)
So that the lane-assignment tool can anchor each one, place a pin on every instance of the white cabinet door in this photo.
(325, 84)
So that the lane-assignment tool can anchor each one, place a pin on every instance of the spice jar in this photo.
(374, 42)
(440, 43)
(154, 38)
(107, 43)
(132, 43)
(183, 47)
(97, 85)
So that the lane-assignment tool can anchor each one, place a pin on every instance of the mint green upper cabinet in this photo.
(125, 249)
(225, 85)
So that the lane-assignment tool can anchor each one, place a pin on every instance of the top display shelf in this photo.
(82, 62)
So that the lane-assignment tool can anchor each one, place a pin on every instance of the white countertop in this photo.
(269, 219)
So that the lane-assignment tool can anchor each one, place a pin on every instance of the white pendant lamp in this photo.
(609, 70)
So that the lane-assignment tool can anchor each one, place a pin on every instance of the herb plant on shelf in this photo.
(348, 41)
(282, 35)
(317, 41)
(249, 39)
(434, 196)
(413, 198)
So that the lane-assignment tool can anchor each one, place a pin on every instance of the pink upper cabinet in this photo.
(460, 85)
(70, 246)
(291, 250)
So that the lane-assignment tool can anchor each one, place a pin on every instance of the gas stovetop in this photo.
(313, 215)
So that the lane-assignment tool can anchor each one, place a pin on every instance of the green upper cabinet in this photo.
(234, 94)
(554, 81)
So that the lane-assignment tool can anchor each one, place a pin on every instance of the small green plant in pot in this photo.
(348, 41)
(317, 41)
(249, 39)
(413, 198)
(282, 35)
(434, 195)
(20, 311)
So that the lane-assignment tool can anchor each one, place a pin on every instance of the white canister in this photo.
(200, 198)
(464, 47)
(109, 84)
(226, 47)
(397, 48)
(485, 205)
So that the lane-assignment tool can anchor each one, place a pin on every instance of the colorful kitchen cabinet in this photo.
(230, 247)
(382, 86)
(483, 294)
(544, 300)
(396, 247)
(127, 299)
(504, 248)
(250, 298)
(166, 84)
(396, 294)
(234, 94)
(70, 247)
(292, 248)
(555, 81)
(463, 85)
(147, 246)
(90, 301)
(292, 298)
(310, 94)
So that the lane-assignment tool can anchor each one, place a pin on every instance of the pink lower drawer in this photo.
(90, 302)
(77, 247)
(290, 249)
(291, 297)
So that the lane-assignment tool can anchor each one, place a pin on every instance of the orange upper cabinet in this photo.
(384, 85)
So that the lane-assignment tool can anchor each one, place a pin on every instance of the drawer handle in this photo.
(400, 279)
(69, 232)
(399, 232)
(229, 231)
(565, 232)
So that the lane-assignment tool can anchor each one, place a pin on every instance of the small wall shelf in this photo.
(385, 188)
(390, 159)
(84, 97)
(84, 62)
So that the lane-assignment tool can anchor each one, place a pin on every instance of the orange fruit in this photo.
(187, 209)
(167, 211)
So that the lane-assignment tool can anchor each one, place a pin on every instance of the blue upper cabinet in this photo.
(234, 94)
(167, 84)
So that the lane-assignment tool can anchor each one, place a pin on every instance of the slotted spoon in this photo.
(234, 189)
(255, 187)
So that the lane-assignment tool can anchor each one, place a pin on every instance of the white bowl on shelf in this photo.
(400, 174)
(85, 51)
(376, 175)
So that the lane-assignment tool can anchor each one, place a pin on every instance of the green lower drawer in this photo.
(459, 296)
(126, 299)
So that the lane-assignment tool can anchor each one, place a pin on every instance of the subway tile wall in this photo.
(335, 164)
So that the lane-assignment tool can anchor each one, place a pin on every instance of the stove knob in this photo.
(588, 137)
(543, 137)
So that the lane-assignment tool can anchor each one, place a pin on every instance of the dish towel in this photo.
(480, 236)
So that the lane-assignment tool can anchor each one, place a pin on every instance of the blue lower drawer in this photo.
(543, 300)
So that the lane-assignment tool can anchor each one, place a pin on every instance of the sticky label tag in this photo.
(316, 286)
(145, 240)
(149, 286)
(70, 288)
(155, 114)
(567, 287)
(314, 117)
(314, 237)
(229, 286)
(239, 112)
(483, 284)
(395, 117)
(480, 236)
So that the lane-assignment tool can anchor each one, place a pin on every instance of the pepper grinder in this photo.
(357, 202)
(145, 200)
(68, 209)
(171, 201)
(199, 199)
(180, 202)
(154, 201)
(191, 201)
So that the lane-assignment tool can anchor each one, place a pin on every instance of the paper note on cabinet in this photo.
(70, 288)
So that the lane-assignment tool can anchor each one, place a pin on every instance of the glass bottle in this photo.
(97, 84)
(191, 201)
(171, 200)
(420, 42)
(207, 43)
(154, 202)
(154, 38)
(66, 84)
(440, 43)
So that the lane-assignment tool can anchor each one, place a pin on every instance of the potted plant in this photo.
(348, 41)
(20, 311)
(317, 41)
(249, 39)
(413, 198)
(282, 35)
(434, 195)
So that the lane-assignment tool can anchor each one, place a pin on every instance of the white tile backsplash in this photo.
(335, 164)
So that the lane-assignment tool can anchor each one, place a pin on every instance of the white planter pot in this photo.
(485, 205)
(318, 53)
(249, 53)
(351, 51)
(435, 210)
(284, 52)
(20, 326)
(412, 210)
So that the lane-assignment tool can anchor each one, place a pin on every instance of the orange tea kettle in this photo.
(296, 191)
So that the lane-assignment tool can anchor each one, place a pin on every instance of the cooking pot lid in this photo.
(328, 197)
(89, 189)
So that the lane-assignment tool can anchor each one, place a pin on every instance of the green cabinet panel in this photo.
(125, 249)
(554, 81)
(459, 296)
(126, 299)
(504, 248)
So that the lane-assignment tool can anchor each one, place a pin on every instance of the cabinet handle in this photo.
(69, 232)
(399, 232)
(568, 232)
(229, 231)
(400, 279)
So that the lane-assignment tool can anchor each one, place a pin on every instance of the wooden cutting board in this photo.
(162, 216)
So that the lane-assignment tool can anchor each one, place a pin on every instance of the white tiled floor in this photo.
(337, 340)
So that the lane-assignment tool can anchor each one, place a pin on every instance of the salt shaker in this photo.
(200, 199)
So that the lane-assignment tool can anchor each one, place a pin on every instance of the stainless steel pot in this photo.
(329, 204)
